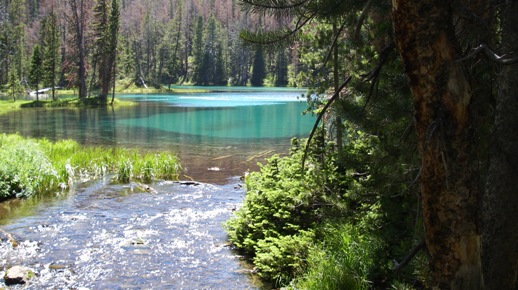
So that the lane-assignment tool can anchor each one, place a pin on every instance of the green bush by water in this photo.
(29, 166)
(343, 260)
(339, 224)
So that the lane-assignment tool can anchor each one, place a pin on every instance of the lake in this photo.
(229, 131)
(105, 235)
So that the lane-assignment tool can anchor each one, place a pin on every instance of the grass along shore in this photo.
(38, 166)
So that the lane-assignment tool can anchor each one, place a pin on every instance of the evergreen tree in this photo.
(16, 38)
(197, 50)
(281, 69)
(258, 68)
(114, 27)
(106, 29)
(3, 44)
(209, 54)
(14, 85)
(36, 69)
(102, 49)
(78, 24)
(50, 51)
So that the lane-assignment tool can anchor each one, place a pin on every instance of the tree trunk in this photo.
(500, 205)
(441, 93)
(79, 24)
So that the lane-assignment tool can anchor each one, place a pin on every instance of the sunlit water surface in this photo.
(105, 236)
(108, 236)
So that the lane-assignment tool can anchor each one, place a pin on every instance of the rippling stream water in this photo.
(103, 235)
(110, 236)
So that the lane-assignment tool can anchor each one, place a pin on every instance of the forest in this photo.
(407, 180)
(85, 44)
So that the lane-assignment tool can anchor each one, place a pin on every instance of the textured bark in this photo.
(500, 240)
(441, 93)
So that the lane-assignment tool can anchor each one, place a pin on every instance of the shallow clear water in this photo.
(109, 236)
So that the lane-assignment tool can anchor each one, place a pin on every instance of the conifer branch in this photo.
(320, 115)
(361, 19)
(335, 40)
(491, 55)
(275, 4)
(273, 37)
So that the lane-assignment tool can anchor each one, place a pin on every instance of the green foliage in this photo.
(30, 166)
(280, 258)
(258, 68)
(36, 69)
(209, 62)
(343, 260)
(50, 51)
(284, 223)
(14, 86)
(24, 167)
(284, 206)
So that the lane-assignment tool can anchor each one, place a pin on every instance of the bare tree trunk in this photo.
(441, 93)
(500, 205)
(78, 19)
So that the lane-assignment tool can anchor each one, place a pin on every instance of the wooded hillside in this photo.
(156, 43)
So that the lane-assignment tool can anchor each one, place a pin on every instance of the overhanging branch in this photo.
(320, 115)
(275, 4)
(491, 55)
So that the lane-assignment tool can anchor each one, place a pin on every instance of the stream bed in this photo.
(111, 236)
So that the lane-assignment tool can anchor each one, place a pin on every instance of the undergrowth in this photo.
(337, 223)
(30, 166)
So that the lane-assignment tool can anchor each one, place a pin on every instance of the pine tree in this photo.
(258, 68)
(78, 23)
(106, 30)
(281, 69)
(102, 47)
(114, 26)
(36, 69)
(50, 51)
(14, 85)
(197, 50)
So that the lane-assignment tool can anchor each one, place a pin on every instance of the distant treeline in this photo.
(88, 44)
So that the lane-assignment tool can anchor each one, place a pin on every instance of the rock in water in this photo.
(18, 275)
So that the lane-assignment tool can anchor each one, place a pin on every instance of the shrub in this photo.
(283, 225)
(283, 205)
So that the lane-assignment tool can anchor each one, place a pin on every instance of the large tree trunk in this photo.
(500, 239)
(441, 93)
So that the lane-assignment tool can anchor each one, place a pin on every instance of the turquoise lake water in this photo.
(239, 123)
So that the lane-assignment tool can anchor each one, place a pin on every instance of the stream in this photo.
(104, 235)
(110, 236)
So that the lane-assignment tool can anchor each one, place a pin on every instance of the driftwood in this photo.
(9, 237)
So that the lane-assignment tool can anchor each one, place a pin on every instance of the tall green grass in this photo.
(344, 260)
(30, 166)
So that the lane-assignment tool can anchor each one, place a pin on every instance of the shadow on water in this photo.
(104, 235)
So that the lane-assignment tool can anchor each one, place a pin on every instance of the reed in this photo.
(30, 166)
